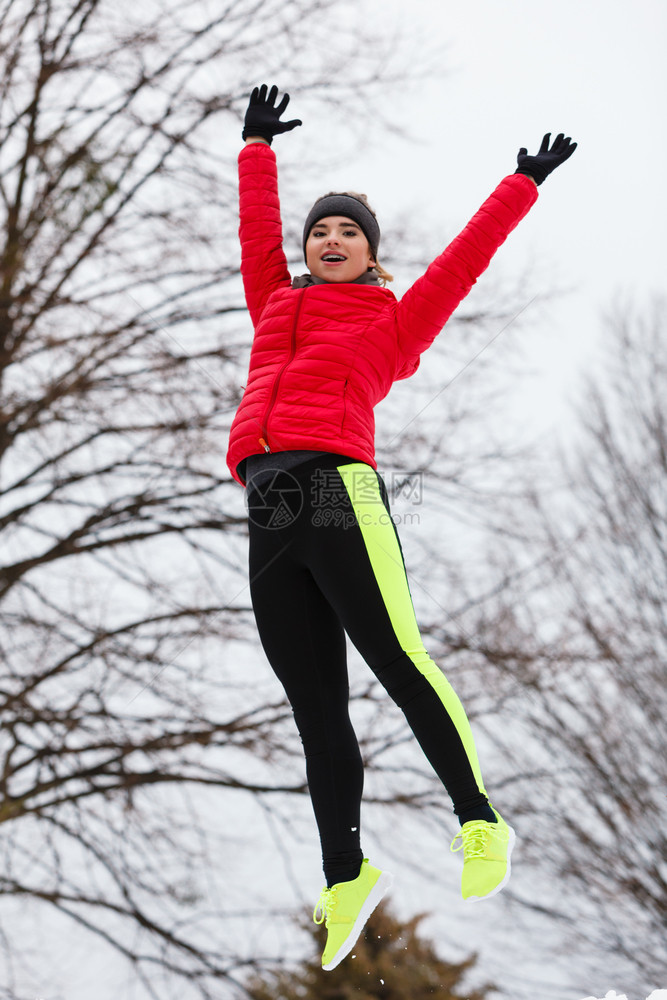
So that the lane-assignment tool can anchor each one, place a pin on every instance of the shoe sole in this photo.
(382, 885)
(501, 885)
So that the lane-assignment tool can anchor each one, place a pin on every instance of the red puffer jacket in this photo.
(323, 356)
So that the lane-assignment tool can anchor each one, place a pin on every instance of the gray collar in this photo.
(370, 277)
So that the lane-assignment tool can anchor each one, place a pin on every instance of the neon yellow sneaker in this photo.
(487, 849)
(346, 907)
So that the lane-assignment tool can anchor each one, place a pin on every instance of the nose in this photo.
(332, 238)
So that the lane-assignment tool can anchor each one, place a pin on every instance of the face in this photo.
(337, 250)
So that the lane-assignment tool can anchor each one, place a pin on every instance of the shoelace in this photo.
(473, 839)
(325, 905)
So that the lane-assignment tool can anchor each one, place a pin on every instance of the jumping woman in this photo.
(325, 558)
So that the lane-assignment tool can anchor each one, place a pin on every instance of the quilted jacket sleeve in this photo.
(263, 263)
(428, 304)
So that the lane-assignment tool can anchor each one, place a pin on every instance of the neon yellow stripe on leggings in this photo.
(387, 563)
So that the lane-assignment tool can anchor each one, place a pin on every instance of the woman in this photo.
(325, 558)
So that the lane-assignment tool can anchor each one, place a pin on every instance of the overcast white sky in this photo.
(516, 69)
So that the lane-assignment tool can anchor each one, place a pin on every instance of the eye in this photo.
(350, 232)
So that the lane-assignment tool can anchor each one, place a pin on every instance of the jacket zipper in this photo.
(263, 440)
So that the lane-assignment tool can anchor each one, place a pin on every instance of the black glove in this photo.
(262, 118)
(540, 166)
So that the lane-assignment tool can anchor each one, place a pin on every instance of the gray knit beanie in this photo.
(351, 208)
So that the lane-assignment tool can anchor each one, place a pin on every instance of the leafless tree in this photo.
(129, 701)
(576, 638)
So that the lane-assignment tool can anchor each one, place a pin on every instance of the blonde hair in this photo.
(383, 275)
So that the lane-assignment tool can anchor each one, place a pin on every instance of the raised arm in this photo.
(428, 304)
(263, 262)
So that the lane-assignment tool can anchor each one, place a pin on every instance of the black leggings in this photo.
(325, 560)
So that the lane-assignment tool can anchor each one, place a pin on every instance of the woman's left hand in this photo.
(542, 163)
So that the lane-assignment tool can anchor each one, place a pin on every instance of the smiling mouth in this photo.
(332, 258)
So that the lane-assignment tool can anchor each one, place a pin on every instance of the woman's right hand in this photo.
(262, 119)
